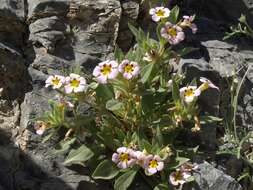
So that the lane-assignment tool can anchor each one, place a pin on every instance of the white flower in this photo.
(153, 164)
(170, 84)
(150, 56)
(65, 102)
(147, 57)
(141, 157)
(105, 70)
(158, 13)
(40, 127)
(124, 158)
(55, 81)
(189, 93)
(172, 33)
(187, 22)
(129, 69)
(206, 84)
(187, 167)
(75, 83)
(179, 177)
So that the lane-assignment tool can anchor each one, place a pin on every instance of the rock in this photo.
(95, 27)
(47, 31)
(56, 44)
(210, 178)
(130, 12)
(46, 8)
(226, 11)
(13, 74)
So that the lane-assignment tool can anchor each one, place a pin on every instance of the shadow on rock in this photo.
(19, 172)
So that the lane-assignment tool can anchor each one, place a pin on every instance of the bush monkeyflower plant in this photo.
(136, 107)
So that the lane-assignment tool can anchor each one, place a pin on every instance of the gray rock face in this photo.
(130, 12)
(223, 10)
(209, 178)
(43, 37)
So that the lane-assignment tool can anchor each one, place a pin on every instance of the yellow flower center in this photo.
(178, 176)
(204, 86)
(153, 164)
(160, 13)
(129, 68)
(74, 83)
(172, 32)
(106, 70)
(186, 23)
(189, 92)
(124, 157)
(56, 81)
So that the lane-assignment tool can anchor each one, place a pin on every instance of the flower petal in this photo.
(113, 74)
(102, 79)
(152, 170)
(122, 149)
(115, 157)
(122, 165)
(128, 76)
(160, 166)
(152, 11)
(96, 71)
(155, 18)
(68, 89)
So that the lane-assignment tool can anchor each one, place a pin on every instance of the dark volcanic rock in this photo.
(43, 37)
(130, 13)
(210, 178)
(226, 11)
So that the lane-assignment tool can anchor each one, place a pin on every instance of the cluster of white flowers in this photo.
(73, 83)
(110, 69)
(127, 157)
(173, 33)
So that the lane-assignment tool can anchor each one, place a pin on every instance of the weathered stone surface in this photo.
(130, 12)
(95, 27)
(52, 41)
(222, 10)
(210, 178)
(13, 75)
(47, 31)
(58, 43)
(45, 8)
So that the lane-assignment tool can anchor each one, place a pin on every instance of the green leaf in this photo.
(63, 146)
(178, 162)
(161, 187)
(93, 85)
(158, 138)
(118, 54)
(47, 137)
(125, 180)
(209, 119)
(138, 33)
(190, 179)
(186, 51)
(174, 15)
(114, 105)
(175, 91)
(146, 72)
(105, 170)
(79, 156)
(104, 92)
